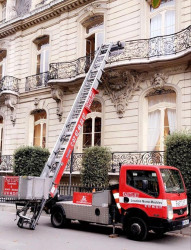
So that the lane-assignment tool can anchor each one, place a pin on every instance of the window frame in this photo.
(93, 116)
(162, 107)
(140, 190)
(3, 64)
(161, 11)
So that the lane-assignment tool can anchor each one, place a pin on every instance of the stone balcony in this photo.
(137, 53)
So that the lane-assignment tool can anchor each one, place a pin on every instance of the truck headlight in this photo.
(169, 210)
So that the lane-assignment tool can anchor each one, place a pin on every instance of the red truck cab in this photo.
(152, 198)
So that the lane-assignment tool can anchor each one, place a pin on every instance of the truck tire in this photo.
(136, 229)
(58, 218)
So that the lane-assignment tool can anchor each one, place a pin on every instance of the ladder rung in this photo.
(57, 159)
(73, 120)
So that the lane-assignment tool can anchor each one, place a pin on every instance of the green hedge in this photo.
(178, 154)
(30, 161)
(95, 166)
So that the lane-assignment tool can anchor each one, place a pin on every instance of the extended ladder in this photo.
(63, 148)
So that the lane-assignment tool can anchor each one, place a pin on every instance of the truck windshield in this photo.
(172, 181)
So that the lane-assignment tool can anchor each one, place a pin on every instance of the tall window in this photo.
(94, 33)
(92, 126)
(162, 21)
(1, 134)
(3, 54)
(40, 119)
(161, 119)
(3, 10)
(42, 54)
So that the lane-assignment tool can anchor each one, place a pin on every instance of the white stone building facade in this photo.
(46, 48)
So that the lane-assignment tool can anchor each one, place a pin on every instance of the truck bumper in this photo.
(170, 225)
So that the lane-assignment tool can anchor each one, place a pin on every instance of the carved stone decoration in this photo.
(159, 80)
(11, 101)
(57, 95)
(36, 102)
(120, 86)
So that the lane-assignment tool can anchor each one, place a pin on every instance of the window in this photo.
(3, 54)
(92, 126)
(1, 134)
(39, 136)
(3, 11)
(172, 181)
(145, 181)
(161, 118)
(42, 54)
(94, 35)
(162, 19)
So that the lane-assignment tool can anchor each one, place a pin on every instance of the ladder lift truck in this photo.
(146, 198)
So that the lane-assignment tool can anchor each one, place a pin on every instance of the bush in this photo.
(95, 166)
(30, 161)
(178, 154)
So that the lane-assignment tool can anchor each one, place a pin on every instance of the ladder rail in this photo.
(51, 158)
(56, 147)
(94, 86)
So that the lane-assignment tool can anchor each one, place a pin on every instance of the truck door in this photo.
(141, 190)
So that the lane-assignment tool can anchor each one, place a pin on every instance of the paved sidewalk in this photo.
(11, 208)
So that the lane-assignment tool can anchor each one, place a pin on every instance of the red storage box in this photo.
(82, 198)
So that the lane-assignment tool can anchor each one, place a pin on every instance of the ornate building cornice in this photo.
(40, 15)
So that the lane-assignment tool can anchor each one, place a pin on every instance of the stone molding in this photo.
(40, 15)
(120, 85)
(10, 101)
(58, 94)
(159, 80)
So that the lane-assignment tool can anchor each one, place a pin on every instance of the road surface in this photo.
(77, 237)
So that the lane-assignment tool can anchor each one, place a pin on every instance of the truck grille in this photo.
(180, 211)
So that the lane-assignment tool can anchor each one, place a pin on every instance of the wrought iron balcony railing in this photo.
(36, 81)
(6, 163)
(160, 46)
(119, 158)
(9, 83)
(72, 69)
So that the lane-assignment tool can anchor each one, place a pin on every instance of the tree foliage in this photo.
(178, 154)
(95, 166)
(30, 161)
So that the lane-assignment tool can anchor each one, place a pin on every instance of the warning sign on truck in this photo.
(82, 198)
(11, 185)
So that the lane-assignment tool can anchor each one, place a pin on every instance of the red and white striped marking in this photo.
(116, 197)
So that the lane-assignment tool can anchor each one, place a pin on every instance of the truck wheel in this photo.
(136, 229)
(58, 218)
